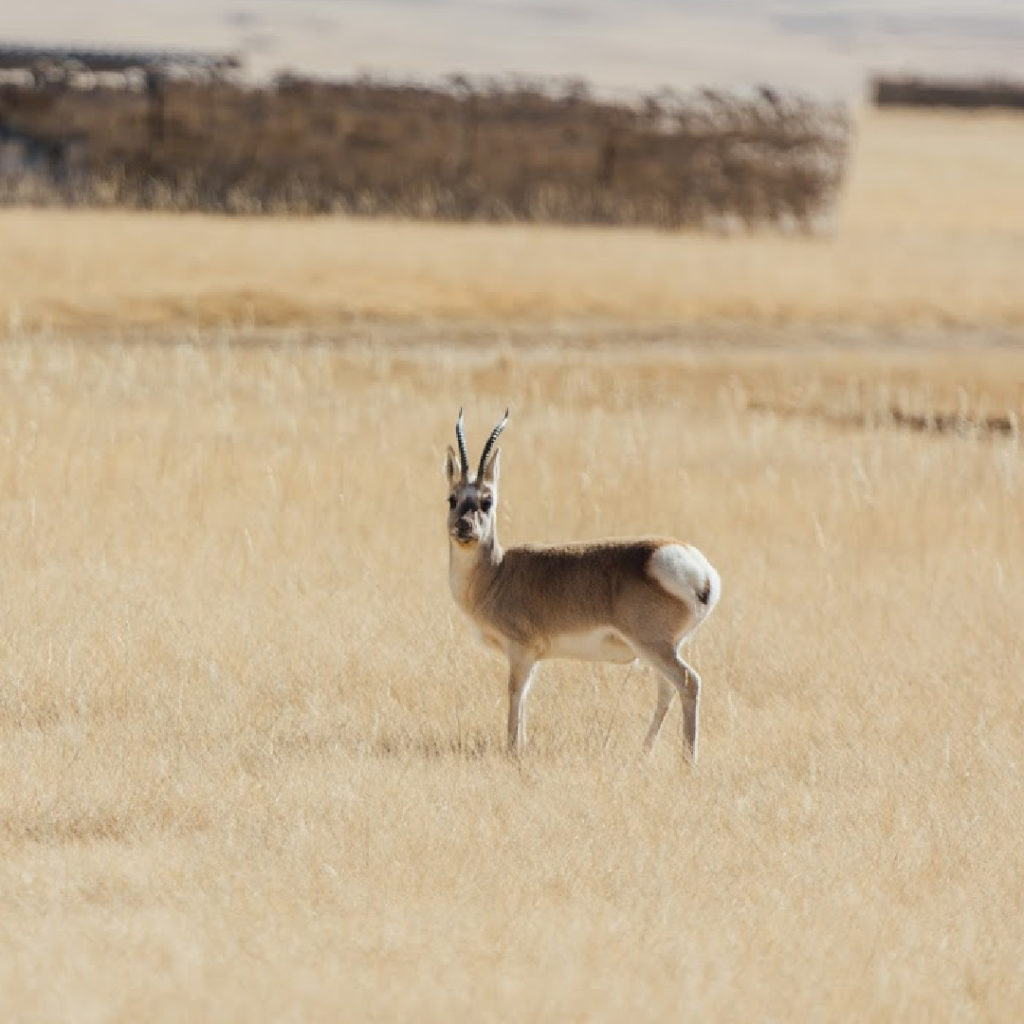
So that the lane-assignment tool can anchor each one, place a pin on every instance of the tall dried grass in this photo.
(250, 757)
(250, 762)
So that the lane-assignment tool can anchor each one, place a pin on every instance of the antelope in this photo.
(611, 601)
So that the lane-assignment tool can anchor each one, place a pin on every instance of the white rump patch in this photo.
(685, 573)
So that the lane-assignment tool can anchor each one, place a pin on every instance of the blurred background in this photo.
(828, 48)
(663, 113)
(894, 131)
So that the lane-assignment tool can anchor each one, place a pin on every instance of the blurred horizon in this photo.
(828, 49)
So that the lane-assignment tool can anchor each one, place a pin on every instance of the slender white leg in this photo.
(520, 675)
(666, 691)
(674, 670)
(689, 691)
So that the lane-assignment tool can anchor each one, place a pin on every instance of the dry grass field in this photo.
(251, 761)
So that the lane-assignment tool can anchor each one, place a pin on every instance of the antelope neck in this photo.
(464, 565)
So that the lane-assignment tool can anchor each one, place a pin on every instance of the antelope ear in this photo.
(492, 469)
(452, 467)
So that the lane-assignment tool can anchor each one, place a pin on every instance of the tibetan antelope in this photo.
(615, 600)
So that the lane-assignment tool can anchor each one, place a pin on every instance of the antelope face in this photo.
(471, 511)
(472, 501)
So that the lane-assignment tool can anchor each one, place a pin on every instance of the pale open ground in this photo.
(250, 756)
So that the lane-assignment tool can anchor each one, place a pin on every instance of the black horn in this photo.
(490, 444)
(463, 457)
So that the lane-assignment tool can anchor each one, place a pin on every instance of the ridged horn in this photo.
(490, 444)
(463, 457)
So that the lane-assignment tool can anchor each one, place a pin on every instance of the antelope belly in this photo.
(604, 644)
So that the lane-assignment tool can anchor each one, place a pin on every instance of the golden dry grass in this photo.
(250, 756)
(931, 231)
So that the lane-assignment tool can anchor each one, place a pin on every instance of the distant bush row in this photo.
(466, 151)
(938, 92)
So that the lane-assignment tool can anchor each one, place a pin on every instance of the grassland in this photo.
(250, 756)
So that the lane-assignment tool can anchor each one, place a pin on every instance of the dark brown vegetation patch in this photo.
(942, 92)
(509, 150)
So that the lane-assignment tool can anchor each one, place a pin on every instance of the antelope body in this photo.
(613, 601)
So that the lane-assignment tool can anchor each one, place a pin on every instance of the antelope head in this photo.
(473, 500)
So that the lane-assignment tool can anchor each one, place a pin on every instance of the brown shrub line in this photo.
(946, 92)
(894, 417)
(508, 150)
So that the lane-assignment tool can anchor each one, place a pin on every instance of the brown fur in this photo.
(575, 587)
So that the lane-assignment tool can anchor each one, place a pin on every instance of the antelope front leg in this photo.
(520, 676)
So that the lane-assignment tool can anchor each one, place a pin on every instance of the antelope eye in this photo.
(485, 504)
(451, 501)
